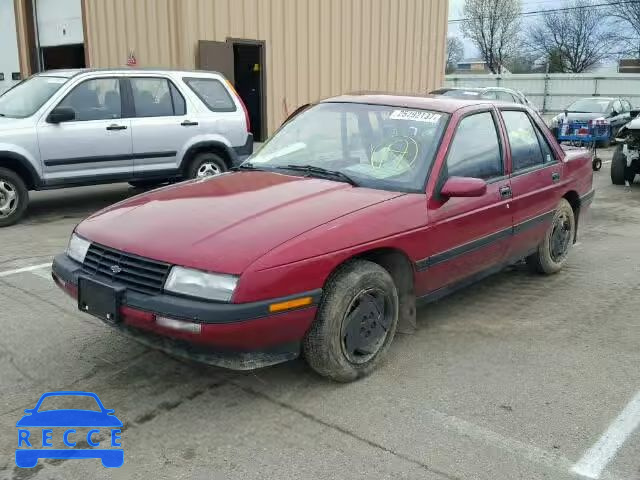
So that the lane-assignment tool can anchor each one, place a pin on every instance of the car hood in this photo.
(223, 224)
(69, 418)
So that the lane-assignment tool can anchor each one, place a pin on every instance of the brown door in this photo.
(216, 56)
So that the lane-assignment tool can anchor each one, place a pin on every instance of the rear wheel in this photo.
(14, 197)
(355, 323)
(553, 251)
(206, 164)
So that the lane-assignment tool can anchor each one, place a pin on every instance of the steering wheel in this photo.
(395, 151)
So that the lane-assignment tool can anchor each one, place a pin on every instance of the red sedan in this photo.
(324, 240)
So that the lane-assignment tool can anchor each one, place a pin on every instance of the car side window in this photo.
(617, 107)
(97, 99)
(524, 141)
(489, 95)
(156, 97)
(475, 149)
(505, 96)
(212, 93)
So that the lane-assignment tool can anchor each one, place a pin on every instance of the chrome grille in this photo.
(133, 272)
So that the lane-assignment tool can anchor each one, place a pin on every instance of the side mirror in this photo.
(61, 114)
(463, 187)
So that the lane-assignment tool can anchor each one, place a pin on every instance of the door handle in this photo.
(189, 123)
(555, 176)
(116, 127)
(505, 192)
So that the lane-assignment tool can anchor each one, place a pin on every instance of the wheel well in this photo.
(574, 200)
(206, 148)
(18, 167)
(400, 268)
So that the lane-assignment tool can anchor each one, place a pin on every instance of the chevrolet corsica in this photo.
(322, 243)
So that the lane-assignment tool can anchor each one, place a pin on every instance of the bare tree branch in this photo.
(493, 26)
(629, 14)
(455, 53)
(574, 40)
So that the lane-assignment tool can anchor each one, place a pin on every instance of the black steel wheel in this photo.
(355, 323)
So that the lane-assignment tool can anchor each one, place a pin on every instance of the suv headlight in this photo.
(77, 248)
(194, 283)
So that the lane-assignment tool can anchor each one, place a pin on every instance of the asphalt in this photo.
(517, 377)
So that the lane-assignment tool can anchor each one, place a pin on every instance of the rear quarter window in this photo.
(213, 94)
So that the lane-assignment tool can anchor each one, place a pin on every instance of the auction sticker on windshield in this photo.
(415, 115)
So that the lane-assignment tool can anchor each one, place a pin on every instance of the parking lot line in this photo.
(602, 452)
(31, 268)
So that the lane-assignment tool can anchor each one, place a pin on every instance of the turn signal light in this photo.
(290, 304)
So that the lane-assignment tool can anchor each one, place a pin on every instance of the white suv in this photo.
(67, 128)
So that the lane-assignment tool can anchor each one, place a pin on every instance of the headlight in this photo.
(212, 286)
(77, 248)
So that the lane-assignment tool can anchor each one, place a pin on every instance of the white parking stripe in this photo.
(7, 273)
(598, 457)
(606, 162)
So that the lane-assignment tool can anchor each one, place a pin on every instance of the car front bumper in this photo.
(239, 336)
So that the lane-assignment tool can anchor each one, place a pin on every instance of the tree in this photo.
(521, 63)
(493, 25)
(629, 13)
(573, 40)
(455, 53)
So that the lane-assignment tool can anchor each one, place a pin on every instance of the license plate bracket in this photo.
(99, 299)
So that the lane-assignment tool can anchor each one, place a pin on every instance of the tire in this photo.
(619, 167)
(328, 347)
(206, 162)
(596, 164)
(553, 251)
(14, 197)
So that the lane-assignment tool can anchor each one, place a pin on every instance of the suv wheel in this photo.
(14, 197)
(206, 164)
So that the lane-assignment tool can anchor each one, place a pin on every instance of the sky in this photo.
(455, 11)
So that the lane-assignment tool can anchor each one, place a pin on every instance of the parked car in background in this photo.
(66, 128)
(615, 111)
(486, 93)
(323, 241)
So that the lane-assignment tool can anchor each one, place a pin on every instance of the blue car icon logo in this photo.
(36, 433)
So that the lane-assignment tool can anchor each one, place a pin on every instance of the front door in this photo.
(536, 181)
(469, 236)
(160, 128)
(96, 145)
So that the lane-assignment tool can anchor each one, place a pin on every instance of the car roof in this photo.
(423, 102)
(72, 72)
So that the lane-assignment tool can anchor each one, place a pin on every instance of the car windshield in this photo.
(27, 97)
(373, 146)
(75, 402)
(589, 105)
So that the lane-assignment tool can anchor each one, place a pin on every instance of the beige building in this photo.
(280, 53)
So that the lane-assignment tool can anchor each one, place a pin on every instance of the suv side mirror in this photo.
(463, 187)
(61, 114)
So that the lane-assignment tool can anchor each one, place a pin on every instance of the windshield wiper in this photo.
(248, 166)
(320, 172)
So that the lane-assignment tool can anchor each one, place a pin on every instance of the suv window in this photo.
(475, 149)
(97, 99)
(524, 140)
(156, 97)
(212, 93)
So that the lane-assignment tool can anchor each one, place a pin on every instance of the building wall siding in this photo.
(314, 48)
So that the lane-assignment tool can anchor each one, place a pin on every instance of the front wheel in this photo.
(355, 323)
(554, 249)
(206, 164)
(14, 197)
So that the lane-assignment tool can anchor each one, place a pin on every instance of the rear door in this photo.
(161, 126)
(96, 145)
(470, 235)
(536, 180)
